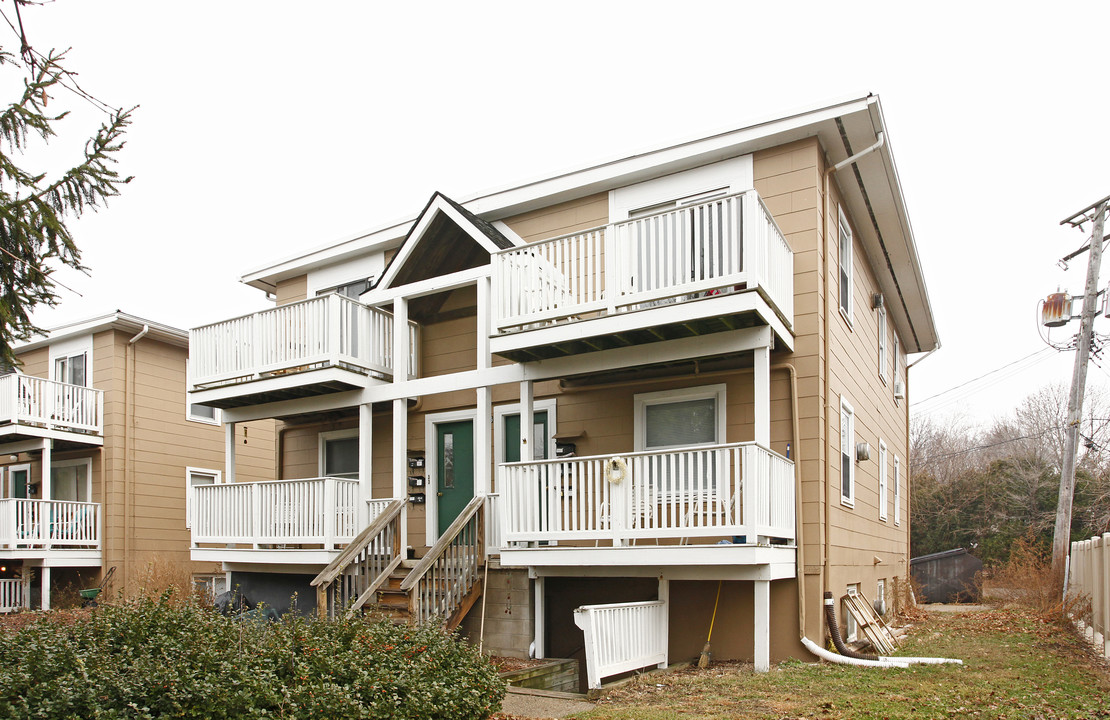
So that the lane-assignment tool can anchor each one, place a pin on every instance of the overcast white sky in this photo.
(269, 127)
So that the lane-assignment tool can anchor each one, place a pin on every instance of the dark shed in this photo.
(946, 577)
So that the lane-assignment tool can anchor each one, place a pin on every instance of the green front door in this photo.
(454, 469)
(19, 477)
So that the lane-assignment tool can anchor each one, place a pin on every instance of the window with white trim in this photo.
(894, 360)
(196, 477)
(851, 630)
(72, 369)
(881, 319)
(208, 586)
(202, 414)
(71, 480)
(680, 418)
(883, 497)
(845, 263)
(847, 453)
(339, 454)
(353, 289)
(897, 491)
(880, 595)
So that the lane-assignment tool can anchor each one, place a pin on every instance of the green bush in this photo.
(156, 659)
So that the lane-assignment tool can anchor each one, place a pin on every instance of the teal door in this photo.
(454, 469)
(19, 477)
(512, 437)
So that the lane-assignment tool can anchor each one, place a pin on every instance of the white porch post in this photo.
(483, 484)
(365, 464)
(527, 420)
(762, 626)
(401, 461)
(44, 577)
(665, 596)
(229, 452)
(762, 395)
(47, 447)
(538, 623)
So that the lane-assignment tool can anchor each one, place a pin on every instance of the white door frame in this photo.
(16, 468)
(431, 463)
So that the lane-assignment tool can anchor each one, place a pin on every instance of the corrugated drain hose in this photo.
(834, 631)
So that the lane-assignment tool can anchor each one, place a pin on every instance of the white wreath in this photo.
(616, 470)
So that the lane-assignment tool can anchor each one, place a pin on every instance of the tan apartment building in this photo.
(101, 403)
(709, 343)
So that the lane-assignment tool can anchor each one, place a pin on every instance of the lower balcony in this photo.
(281, 521)
(62, 532)
(725, 504)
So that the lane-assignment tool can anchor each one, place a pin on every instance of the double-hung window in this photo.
(881, 319)
(847, 453)
(845, 267)
(883, 498)
(897, 491)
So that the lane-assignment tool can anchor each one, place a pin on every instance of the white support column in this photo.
(762, 395)
(47, 447)
(44, 577)
(665, 596)
(527, 421)
(762, 626)
(229, 452)
(1103, 593)
(365, 464)
(537, 617)
(401, 461)
(484, 311)
(400, 339)
(483, 453)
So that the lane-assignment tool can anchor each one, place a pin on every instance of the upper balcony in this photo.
(710, 267)
(322, 345)
(31, 407)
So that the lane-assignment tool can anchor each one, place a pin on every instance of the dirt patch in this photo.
(510, 664)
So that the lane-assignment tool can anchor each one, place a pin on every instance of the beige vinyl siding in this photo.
(291, 290)
(35, 362)
(857, 535)
(562, 219)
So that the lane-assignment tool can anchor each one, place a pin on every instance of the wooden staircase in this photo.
(370, 573)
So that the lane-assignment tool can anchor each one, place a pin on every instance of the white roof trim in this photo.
(437, 205)
(493, 205)
(117, 320)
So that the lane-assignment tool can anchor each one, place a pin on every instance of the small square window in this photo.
(204, 414)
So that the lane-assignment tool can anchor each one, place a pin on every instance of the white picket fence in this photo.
(710, 492)
(330, 330)
(710, 248)
(621, 637)
(49, 523)
(1089, 574)
(12, 596)
(312, 511)
(31, 400)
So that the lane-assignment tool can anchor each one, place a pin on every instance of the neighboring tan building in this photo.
(102, 404)
(709, 342)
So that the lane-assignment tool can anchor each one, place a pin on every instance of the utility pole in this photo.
(1061, 538)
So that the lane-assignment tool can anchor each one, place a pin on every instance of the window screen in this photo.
(341, 458)
(689, 422)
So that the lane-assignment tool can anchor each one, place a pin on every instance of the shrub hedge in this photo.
(157, 659)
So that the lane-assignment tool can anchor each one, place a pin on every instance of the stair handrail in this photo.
(343, 559)
(445, 542)
(352, 554)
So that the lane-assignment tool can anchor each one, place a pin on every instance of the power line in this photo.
(992, 372)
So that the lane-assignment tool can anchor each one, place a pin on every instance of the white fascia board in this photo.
(116, 320)
(498, 204)
(24, 431)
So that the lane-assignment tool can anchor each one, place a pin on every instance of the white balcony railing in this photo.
(620, 637)
(330, 330)
(49, 524)
(740, 489)
(12, 597)
(712, 248)
(314, 511)
(31, 400)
